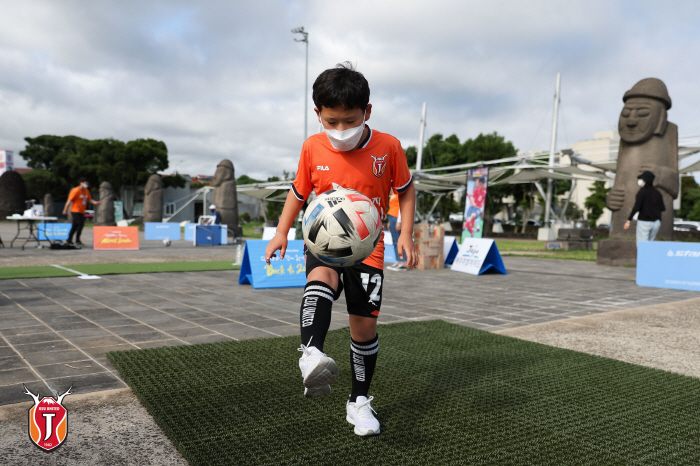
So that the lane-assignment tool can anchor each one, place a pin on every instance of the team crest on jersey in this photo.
(379, 165)
(48, 420)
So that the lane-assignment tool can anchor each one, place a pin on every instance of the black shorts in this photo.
(362, 284)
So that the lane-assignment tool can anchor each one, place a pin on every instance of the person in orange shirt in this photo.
(78, 199)
(394, 214)
(348, 154)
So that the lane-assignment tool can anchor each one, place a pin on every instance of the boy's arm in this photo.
(407, 207)
(292, 206)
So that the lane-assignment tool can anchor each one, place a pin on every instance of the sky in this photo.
(225, 80)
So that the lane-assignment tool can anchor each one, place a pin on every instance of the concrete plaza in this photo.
(55, 332)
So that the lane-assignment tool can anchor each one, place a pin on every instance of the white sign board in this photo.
(472, 254)
(269, 233)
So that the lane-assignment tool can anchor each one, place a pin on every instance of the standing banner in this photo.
(389, 254)
(115, 237)
(667, 264)
(287, 273)
(477, 255)
(475, 205)
(118, 211)
(450, 248)
(157, 231)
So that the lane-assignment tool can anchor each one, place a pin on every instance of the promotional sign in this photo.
(450, 248)
(474, 207)
(477, 255)
(115, 237)
(53, 231)
(287, 273)
(667, 264)
(118, 211)
(155, 231)
(6, 163)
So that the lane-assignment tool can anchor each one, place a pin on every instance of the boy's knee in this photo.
(325, 275)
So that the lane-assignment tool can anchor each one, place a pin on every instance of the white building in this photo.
(601, 149)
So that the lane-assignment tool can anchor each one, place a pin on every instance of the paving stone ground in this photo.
(55, 332)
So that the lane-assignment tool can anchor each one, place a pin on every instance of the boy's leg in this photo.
(317, 369)
(363, 293)
(364, 348)
(316, 306)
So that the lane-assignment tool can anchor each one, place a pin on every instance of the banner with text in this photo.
(287, 273)
(475, 205)
(156, 231)
(115, 237)
(53, 231)
(667, 264)
(477, 256)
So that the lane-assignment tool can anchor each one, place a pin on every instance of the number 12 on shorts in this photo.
(377, 280)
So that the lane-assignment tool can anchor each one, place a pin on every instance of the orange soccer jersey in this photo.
(373, 170)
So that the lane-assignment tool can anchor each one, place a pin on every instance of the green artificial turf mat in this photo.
(45, 271)
(445, 394)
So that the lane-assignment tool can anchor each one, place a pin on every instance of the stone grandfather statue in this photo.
(49, 210)
(225, 197)
(153, 200)
(105, 212)
(648, 142)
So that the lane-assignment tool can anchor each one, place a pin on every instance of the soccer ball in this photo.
(166, 242)
(341, 227)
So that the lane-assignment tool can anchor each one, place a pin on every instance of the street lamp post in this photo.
(300, 30)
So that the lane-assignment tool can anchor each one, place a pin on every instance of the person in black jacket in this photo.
(649, 204)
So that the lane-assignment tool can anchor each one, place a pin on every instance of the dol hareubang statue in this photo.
(105, 212)
(225, 197)
(648, 141)
(153, 200)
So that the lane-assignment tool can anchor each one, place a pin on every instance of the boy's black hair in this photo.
(481, 180)
(82, 179)
(341, 85)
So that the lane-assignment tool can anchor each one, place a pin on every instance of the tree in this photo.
(41, 181)
(440, 152)
(69, 158)
(690, 199)
(245, 179)
(595, 203)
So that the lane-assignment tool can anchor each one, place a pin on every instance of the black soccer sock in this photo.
(315, 314)
(363, 360)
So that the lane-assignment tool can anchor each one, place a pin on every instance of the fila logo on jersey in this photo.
(379, 165)
(322, 168)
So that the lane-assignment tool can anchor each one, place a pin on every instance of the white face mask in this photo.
(85, 185)
(641, 183)
(345, 140)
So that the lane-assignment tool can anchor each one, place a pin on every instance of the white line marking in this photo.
(81, 274)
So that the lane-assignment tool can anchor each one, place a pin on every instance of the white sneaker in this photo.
(318, 371)
(392, 266)
(360, 415)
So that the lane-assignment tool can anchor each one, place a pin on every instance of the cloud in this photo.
(222, 79)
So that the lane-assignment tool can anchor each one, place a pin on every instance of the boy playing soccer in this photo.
(349, 155)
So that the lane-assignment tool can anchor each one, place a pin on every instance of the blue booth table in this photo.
(207, 235)
(31, 236)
